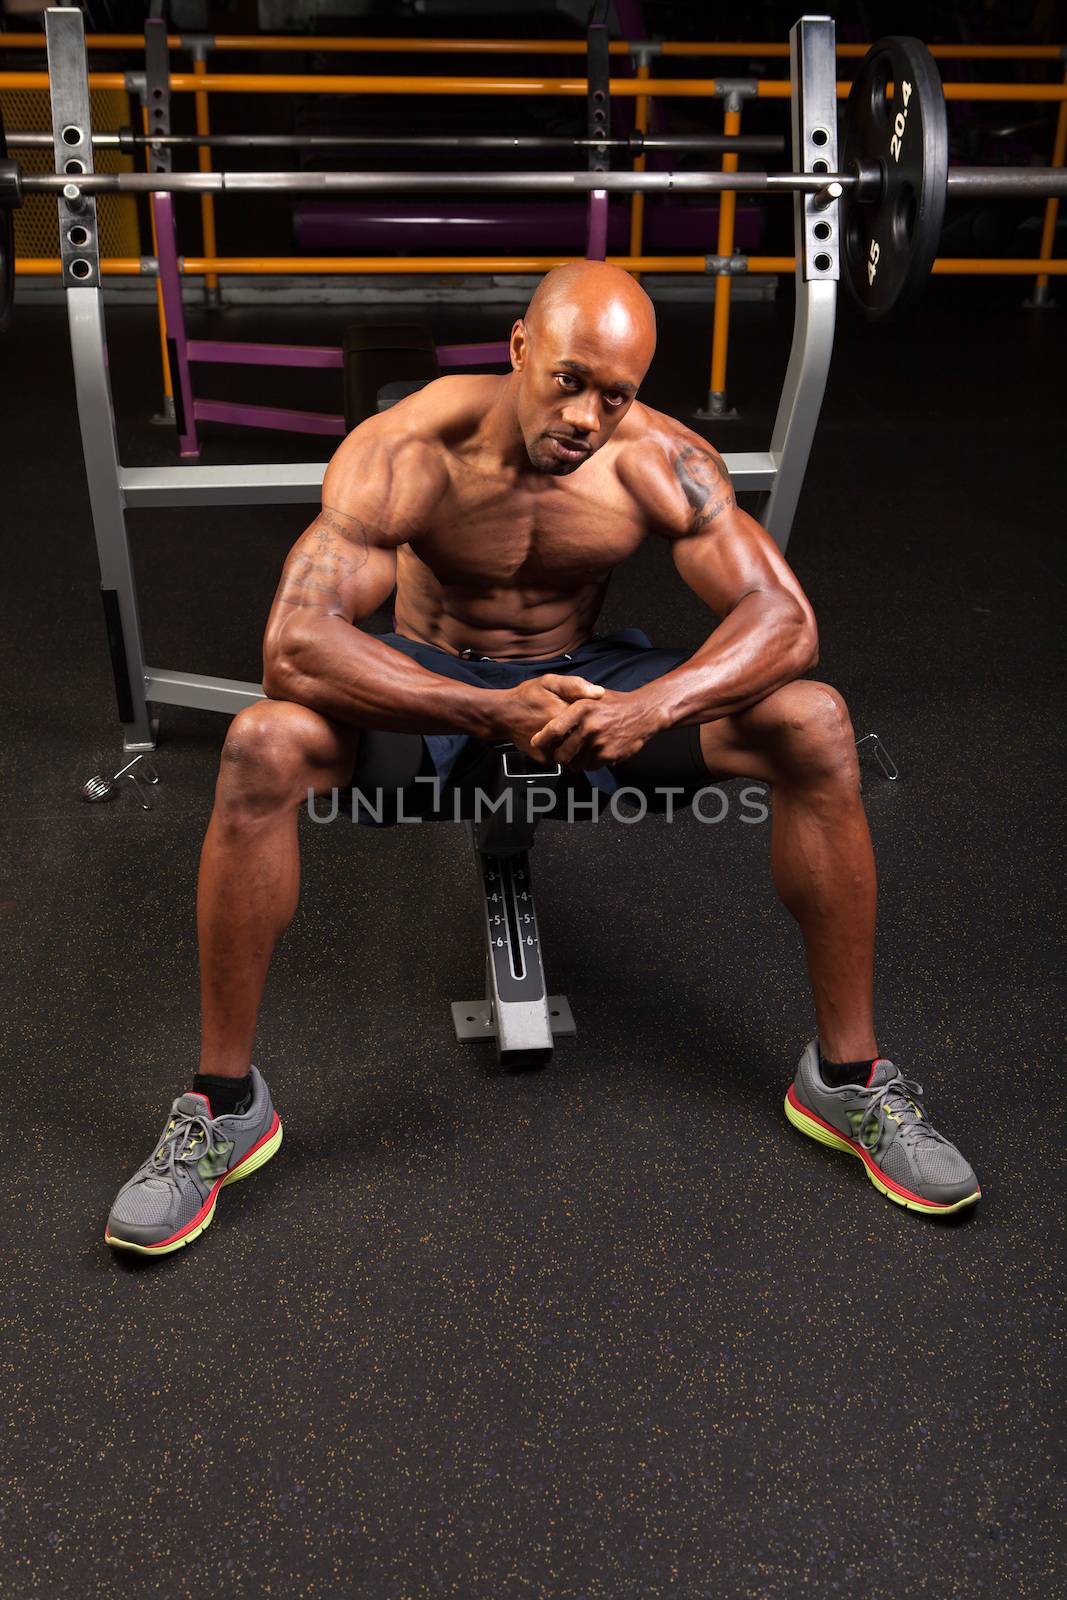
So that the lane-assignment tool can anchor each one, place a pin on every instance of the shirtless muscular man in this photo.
(497, 508)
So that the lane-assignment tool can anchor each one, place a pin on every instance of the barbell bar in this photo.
(996, 182)
(636, 144)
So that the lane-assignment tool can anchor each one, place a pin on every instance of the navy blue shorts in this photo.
(620, 661)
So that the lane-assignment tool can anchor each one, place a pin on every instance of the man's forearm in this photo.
(346, 674)
(765, 642)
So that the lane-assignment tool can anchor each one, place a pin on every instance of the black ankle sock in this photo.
(228, 1096)
(837, 1073)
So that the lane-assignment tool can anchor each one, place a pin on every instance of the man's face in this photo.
(572, 395)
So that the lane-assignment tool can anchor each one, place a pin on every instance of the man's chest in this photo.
(559, 532)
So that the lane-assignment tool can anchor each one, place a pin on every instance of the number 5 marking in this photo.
(872, 260)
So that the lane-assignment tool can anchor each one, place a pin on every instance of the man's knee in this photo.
(269, 757)
(806, 726)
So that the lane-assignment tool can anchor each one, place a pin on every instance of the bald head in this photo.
(578, 355)
(596, 301)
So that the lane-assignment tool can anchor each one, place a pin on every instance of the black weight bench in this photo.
(517, 1013)
(499, 797)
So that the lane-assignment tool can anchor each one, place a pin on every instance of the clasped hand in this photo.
(574, 722)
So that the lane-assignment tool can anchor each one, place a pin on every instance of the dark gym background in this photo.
(611, 1331)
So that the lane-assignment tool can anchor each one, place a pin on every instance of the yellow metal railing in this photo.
(1052, 206)
(486, 84)
(207, 202)
(720, 335)
(637, 204)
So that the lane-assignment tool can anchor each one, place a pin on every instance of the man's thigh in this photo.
(668, 762)
(392, 770)
(732, 747)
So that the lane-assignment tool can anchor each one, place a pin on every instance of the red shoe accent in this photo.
(897, 1188)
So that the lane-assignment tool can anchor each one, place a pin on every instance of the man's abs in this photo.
(512, 623)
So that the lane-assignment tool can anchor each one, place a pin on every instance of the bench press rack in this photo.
(515, 974)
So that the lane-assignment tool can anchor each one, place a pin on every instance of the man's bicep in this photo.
(338, 567)
(729, 556)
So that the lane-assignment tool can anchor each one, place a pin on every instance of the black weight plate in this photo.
(7, 248)
(891, 240)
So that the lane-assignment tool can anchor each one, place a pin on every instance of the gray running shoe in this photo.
(883, 1123)
(170, 1200)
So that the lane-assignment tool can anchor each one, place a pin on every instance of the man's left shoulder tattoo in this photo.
(705, 483)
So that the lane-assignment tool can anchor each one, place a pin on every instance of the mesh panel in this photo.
(895, 1164)
(151, 1205)
(36, 228)
(941, 1163)
(933, 1163)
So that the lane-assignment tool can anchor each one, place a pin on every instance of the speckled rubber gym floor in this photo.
(611, 1331)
